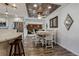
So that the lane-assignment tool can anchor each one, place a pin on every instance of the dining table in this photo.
(43, 34)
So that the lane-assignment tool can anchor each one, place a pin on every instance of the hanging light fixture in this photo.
(11, 5)
(14, 6)
(39, 16)
(40, 12)
(6, 12)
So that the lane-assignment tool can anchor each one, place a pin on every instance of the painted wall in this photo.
(68, 39)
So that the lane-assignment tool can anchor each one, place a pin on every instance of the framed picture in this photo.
(68, 22)
(54, 22)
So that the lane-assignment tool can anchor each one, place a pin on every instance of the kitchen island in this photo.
(6, 36)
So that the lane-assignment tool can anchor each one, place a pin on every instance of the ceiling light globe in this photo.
(39, 17)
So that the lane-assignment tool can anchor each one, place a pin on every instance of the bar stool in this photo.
(17, 48)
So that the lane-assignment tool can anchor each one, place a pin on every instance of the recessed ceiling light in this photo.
(35, 5)
(14, 5)
(49, 7)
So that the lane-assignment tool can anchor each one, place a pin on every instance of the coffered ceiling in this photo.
(44, 9)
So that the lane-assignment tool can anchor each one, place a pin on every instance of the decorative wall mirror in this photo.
(54, 22)
(68, 22)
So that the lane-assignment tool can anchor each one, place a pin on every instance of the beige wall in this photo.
(68, 39)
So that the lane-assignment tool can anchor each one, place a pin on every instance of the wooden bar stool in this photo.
(17, 48)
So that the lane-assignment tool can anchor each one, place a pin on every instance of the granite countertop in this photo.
(8, 34)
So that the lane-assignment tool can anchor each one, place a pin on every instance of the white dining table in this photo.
(43, 34)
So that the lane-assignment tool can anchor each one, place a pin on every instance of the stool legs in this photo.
(22, 48)
(10, 53)
(15, 48)
(18, 49)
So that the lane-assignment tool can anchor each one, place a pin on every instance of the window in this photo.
(2, 24)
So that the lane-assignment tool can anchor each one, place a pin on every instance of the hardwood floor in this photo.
(30, 50)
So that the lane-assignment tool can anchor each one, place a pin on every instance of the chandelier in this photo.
(39, 10)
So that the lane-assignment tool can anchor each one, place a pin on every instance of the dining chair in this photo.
(35, 38)
(49, 41)
(42, 40)
(55, 31)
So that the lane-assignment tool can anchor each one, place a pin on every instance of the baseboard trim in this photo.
(68, 49)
